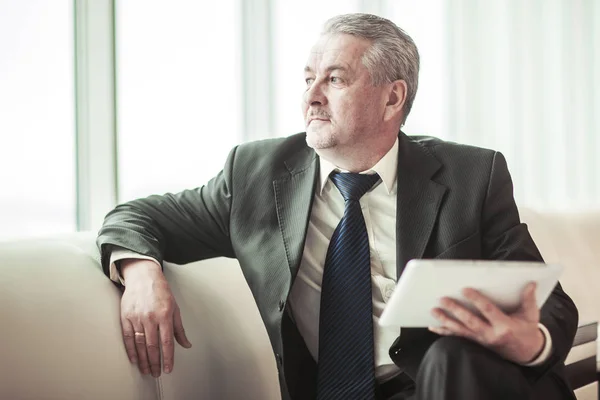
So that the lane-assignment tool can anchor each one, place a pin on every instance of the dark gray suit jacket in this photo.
(453, 201)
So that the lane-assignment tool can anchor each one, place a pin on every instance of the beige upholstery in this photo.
(572, 239)
(60, 335)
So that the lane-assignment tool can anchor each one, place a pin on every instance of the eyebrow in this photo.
(329, 69)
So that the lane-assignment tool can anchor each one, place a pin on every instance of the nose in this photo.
(314, 95)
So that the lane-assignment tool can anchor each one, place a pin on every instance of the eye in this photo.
(335, 79)
(309, 81)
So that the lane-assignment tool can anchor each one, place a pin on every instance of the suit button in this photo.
(281, 305)
(279, 359)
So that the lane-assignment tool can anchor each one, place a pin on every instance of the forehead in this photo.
(339, 49)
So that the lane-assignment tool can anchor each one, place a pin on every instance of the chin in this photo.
(319, 140)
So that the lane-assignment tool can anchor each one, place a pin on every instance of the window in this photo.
(178, 93)
(37, 157)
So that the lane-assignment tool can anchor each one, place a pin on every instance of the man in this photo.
(322, 224)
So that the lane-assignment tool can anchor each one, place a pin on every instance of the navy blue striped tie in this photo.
(346, 357)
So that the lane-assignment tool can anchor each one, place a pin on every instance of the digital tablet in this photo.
(424, 282)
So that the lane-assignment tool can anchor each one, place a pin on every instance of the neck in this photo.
(357, 159)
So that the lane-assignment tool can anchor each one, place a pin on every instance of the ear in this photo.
(395, 99)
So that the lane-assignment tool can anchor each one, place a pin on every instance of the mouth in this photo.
(317, 119)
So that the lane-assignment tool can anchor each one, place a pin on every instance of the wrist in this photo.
(541, 339)
(136, 269)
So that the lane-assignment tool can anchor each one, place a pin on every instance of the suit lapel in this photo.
(294, 194)
(418, 200)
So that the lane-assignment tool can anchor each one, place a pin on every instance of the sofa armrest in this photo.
(581, 362)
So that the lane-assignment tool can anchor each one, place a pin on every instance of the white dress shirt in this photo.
(379, 210)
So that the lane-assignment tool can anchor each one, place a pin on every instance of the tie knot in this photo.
(353, 186)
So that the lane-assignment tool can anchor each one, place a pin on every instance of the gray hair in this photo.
(392, 55)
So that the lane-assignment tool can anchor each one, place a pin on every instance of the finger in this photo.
(153, 348)
(129, 340)
(168, 348)
(451, 324)
(465, 316)
(140, 345)
(441, 331)
(529, 304)
(493, 314)
(179, 331)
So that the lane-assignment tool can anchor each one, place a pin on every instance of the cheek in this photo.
(350, 112)
(368, 108)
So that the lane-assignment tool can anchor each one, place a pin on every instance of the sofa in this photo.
(60, 336)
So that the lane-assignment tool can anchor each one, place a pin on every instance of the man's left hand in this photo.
(516, 337)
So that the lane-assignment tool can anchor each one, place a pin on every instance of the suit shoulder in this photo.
(273, 146)
(272, 153)
(447, 151)
(461, 163)
(436, 144)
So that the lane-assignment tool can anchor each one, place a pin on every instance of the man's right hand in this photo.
(150, 317)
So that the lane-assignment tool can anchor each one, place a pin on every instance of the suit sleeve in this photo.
(506, 238)
(184, 227)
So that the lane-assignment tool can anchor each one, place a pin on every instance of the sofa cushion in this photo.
(61, 338)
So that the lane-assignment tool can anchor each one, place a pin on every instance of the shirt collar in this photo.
(386, 168)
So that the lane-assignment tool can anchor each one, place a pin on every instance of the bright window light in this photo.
(178, 93)
(37, 141)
